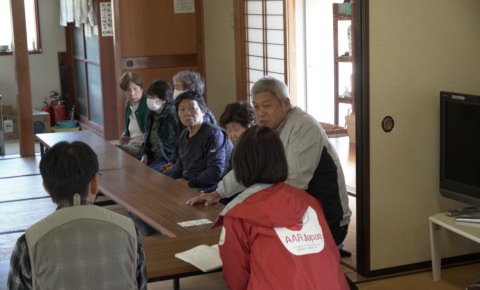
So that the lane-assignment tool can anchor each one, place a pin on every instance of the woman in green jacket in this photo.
(136, 113)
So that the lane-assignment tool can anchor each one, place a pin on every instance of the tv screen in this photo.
(460, 147)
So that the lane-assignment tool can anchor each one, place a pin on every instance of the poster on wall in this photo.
(183, 6)
(106, 18)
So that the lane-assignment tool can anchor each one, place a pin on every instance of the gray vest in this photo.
(83, 247)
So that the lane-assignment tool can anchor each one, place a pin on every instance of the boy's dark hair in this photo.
(259, 157)
(191, 96)
(67, 169)
(162, 90)
(240, 112)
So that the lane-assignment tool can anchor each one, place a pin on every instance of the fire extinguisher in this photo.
(49, 109)
(58, 106)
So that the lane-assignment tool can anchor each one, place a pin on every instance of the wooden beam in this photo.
(22, 73)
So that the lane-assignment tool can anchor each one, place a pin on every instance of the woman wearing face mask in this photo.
(161, 126)
(191, 81)
(135, 113)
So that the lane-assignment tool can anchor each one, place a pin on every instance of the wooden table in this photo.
(157, 199)
(163, 265)
(109, 157)
(154, 197)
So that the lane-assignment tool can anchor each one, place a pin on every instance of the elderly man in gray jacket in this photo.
(313, 164)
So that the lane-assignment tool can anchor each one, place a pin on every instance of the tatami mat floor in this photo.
(458, 277)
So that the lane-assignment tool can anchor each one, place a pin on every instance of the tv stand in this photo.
(474, 219)
(462, 211)
(441, 220)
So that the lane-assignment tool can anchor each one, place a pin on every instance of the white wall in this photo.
(44, 74)
(417, 49)
(219, 54)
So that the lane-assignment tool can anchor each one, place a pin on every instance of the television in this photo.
(460, 147)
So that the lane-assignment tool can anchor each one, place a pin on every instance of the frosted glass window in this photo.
(274, 22)
(275, 7)
(81, 91)
(276, 51)
(265, 40)
(91, 46)
(277, 76)
(78, 48)
(254, 7)
(255, 21)
(255, 62)
(255, 35)
(275, 36)
(255, 49)
(95, 93)
(275, 65)
(255, 75)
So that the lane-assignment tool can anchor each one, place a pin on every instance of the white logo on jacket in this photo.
(306, 237)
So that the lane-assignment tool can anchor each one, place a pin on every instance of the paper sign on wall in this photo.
(184, 6)
(106, 18)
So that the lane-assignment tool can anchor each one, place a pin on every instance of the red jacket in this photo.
(277, 238)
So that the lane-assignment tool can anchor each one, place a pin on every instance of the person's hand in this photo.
(206, 198)
(144, 159)
(168, 167)
(124, 139)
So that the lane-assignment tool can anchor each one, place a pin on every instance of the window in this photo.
(263, 33)
(32, 25)
(88, 80)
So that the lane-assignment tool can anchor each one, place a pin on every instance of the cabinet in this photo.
(343, 59)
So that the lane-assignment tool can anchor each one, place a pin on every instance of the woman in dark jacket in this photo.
(161, 126)
(203, 149)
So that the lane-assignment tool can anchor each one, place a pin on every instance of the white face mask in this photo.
(176, 93)
(152, 105)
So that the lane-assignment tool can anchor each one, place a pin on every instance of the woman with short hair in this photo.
(136, 112)
(161, 126)
(237, 118)
(274, 235)
(187, 81)
(203, 148)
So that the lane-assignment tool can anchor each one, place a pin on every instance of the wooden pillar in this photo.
(117, 48)
(22, 74)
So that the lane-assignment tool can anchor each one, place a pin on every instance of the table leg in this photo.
(42, 149)
(176, 283)
(435, 244)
